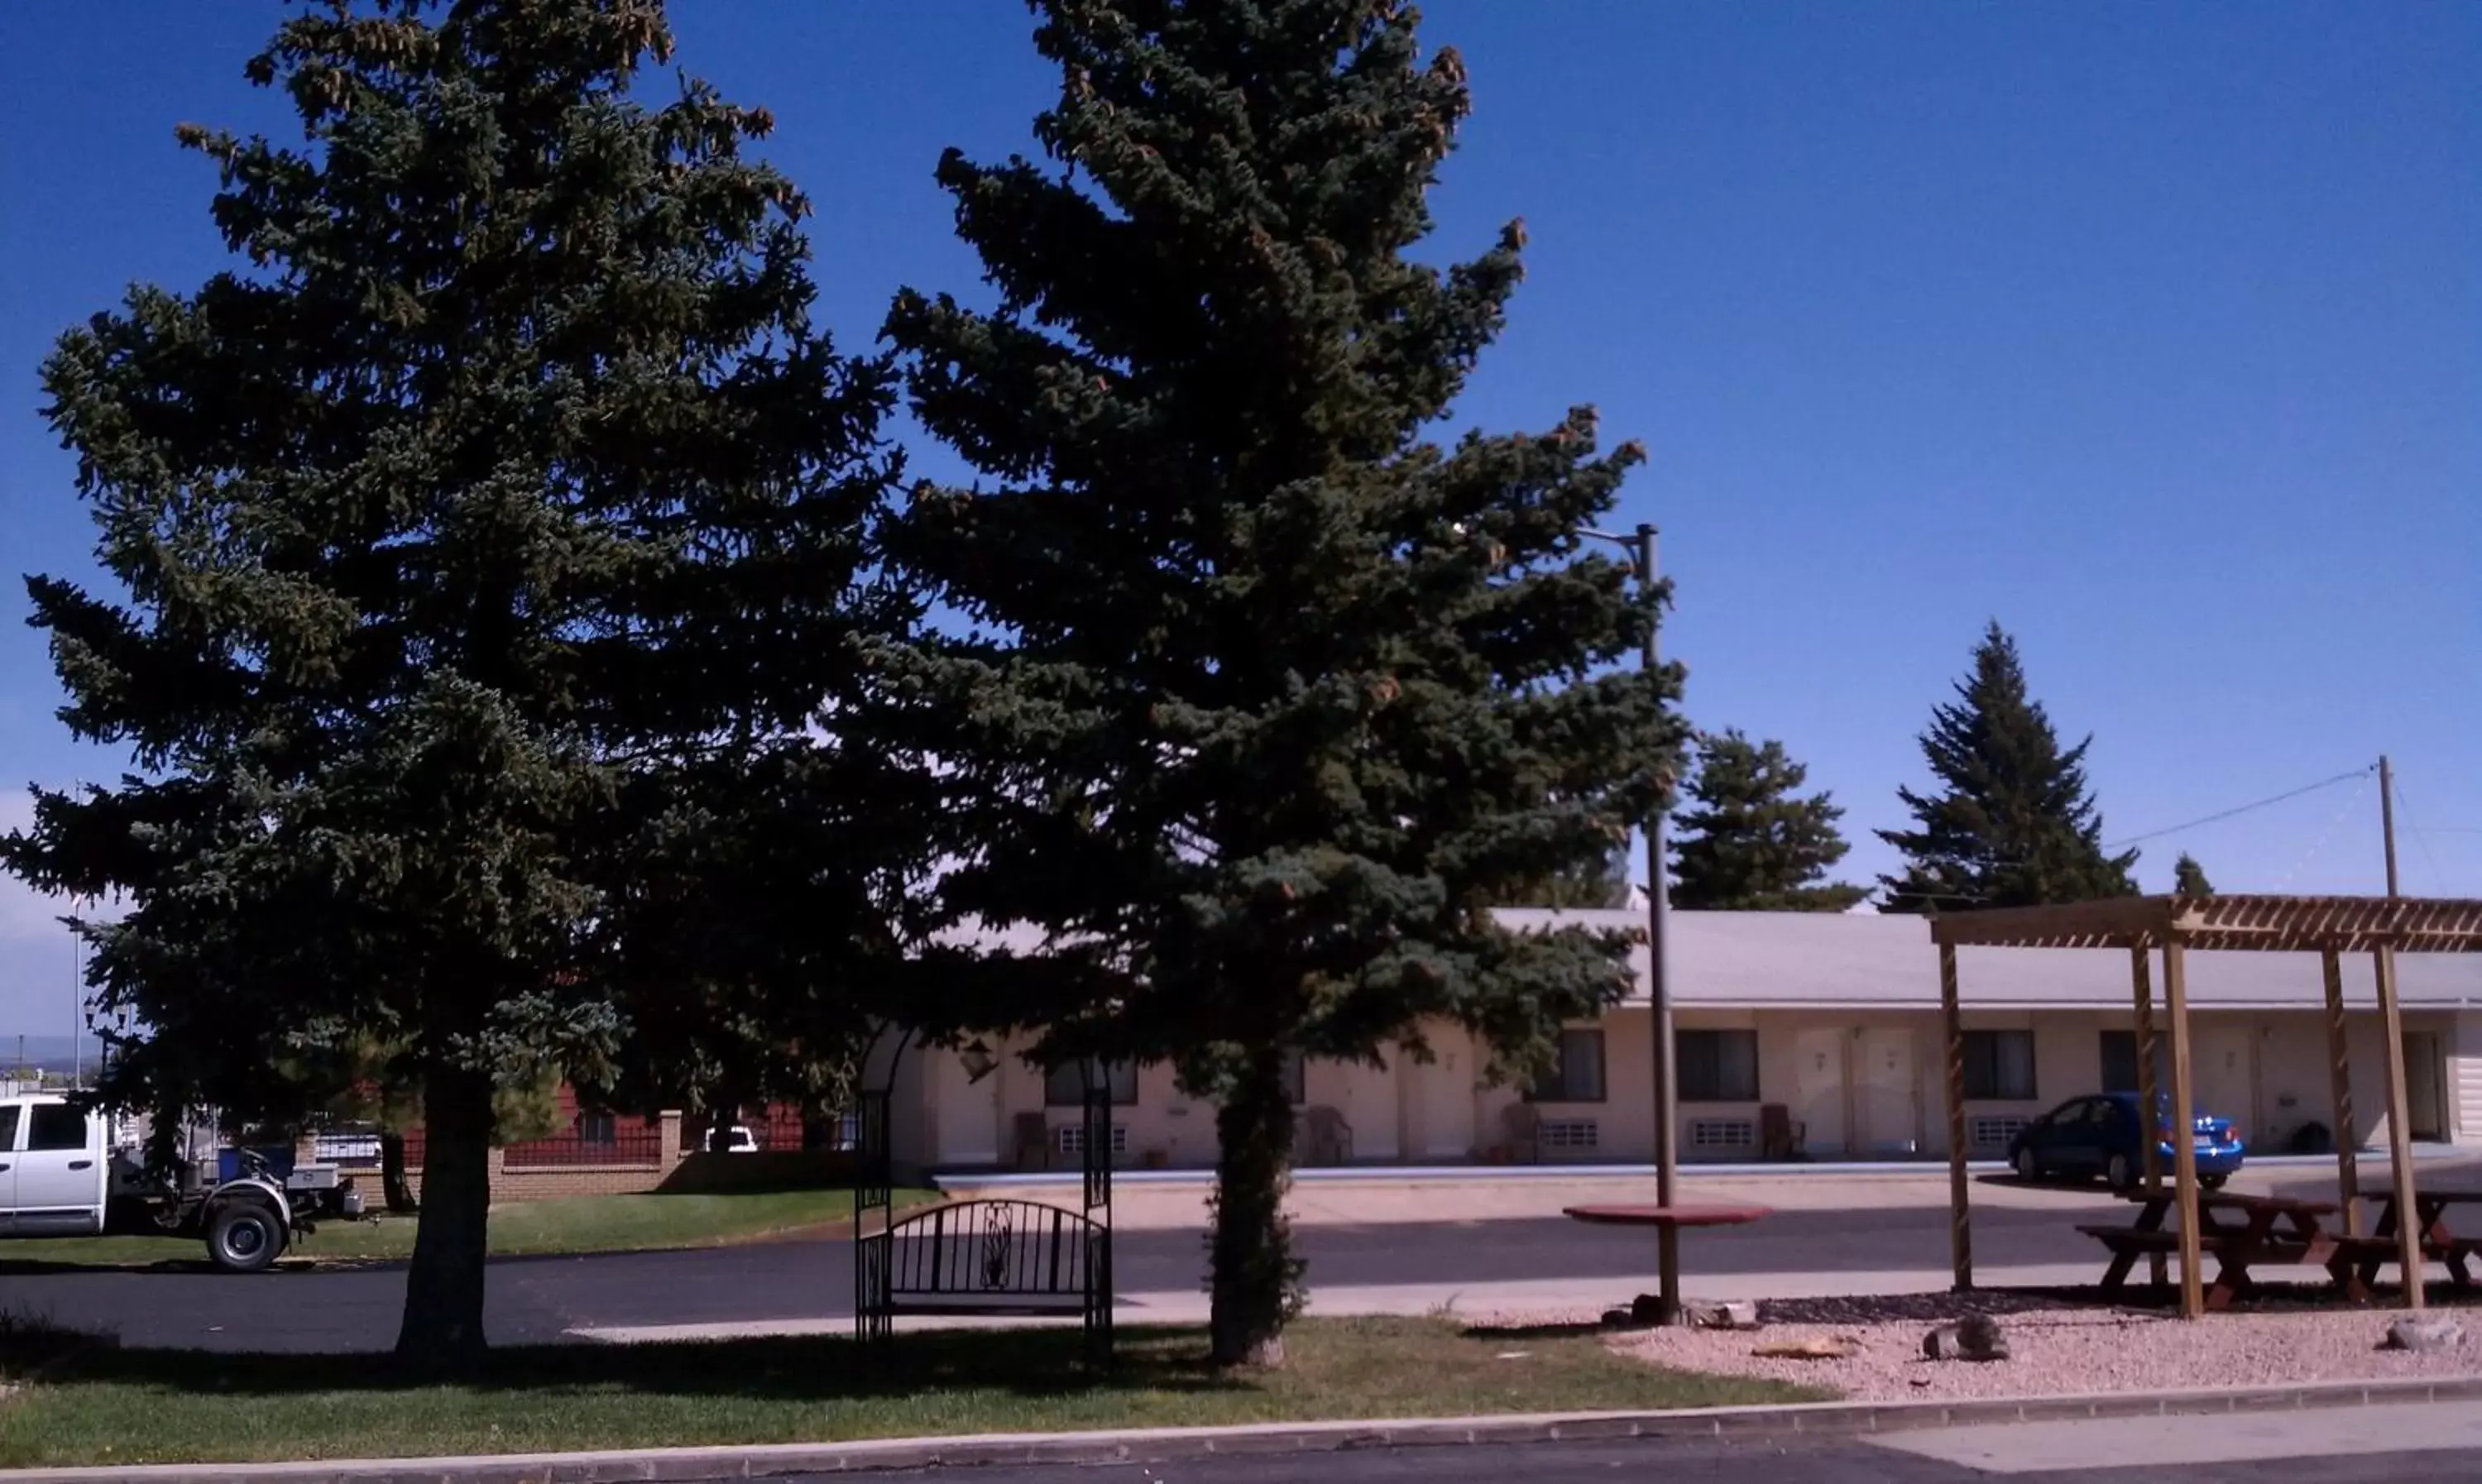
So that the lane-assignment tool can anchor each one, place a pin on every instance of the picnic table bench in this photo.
(2240, 1232)
(2360, 1258)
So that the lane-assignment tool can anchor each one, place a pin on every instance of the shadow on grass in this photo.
(1506, 1332)
(1030, 1363)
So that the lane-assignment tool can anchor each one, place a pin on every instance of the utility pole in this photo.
(1641, 546)
(1659, 906)
(2388, 817)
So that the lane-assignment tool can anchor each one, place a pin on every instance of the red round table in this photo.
(1667, 1215)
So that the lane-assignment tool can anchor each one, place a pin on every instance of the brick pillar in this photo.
(670, 1118)
(497, 1164)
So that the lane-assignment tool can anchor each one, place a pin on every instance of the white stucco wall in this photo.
(1869, 1083)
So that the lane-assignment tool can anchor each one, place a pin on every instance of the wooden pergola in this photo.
(2328, 926)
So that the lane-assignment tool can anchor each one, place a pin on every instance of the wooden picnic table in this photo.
(2238, 1231)
(2440, 1243)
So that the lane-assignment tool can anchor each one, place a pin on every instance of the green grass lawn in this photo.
(582, 1224)
(120, 1407)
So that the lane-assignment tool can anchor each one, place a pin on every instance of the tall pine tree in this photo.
(505, 478)
(1604, 884)
(2189, 878)
(1268, 697)
(2015, 825)
(1747, 843)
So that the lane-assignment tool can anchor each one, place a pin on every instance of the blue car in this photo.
(2085, 1137)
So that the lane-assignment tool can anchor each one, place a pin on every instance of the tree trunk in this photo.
(442, 1333)
(1254, 1286)
(396, 1191)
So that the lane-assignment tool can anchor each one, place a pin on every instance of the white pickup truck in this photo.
(64, 1173)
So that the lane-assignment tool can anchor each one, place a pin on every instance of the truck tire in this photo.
(245, 1237)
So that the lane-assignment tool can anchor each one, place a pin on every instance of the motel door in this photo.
(1891, 1114)
(1818, 1088)
(969, 1127)
(2422, 1087)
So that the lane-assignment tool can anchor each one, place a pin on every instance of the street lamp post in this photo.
(1640, 544)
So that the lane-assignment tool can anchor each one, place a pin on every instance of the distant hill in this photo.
(51, 1053)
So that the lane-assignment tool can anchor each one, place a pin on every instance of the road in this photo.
(1856, 1462)
(541, 1299)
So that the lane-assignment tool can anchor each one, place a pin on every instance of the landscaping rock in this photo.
(1972, 1338)
(2423, 1332)
(1647, 1309)
(1620, 1319)
(1738, 1316)
(1979, 1336)
(1832, 1347)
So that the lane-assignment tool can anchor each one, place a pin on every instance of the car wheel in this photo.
(2211, 1182)
(2028, 1168)
(2119, 1174)
(245, 1237)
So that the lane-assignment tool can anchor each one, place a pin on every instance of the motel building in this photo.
(1801, 1037)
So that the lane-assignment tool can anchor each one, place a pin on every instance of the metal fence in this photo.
(593, 1139)
(779, 1128)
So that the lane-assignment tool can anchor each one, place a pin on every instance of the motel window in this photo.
(1065, 1086)
(1577, 1074)
(1717, 1065)
(1999, 1066)
(597, 1128)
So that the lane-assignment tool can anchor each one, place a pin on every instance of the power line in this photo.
(2286, 879)
(2438, 875)
(2290, 793)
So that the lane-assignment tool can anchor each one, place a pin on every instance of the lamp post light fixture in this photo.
(1641, 546)
(978, 1060)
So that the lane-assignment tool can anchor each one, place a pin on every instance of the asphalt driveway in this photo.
(541, 1299)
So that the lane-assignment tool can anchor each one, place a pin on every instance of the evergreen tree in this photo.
(2189, 878)
(1266, 697)
(1601, 883)
(1747, 843)
(2016, 826)
(504, 481)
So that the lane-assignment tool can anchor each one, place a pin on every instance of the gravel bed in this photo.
(2054, 1349)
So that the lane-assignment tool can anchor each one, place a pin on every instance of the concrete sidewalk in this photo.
(2177, 1443)
(1176, 1200)
(1518, 1300)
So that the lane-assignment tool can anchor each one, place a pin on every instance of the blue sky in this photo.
(2154, 331)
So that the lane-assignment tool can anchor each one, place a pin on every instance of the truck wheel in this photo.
(245, 1237)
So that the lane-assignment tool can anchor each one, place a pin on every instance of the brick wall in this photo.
(512, 1180)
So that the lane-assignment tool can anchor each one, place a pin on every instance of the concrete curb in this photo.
(946, 1181)
(1167, 1444)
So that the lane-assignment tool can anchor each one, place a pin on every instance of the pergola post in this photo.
(2325, 925)
(1960, 1214)
(2184, 1118)
(2141, 990)
(2399, 1130)
(2339, 1082)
